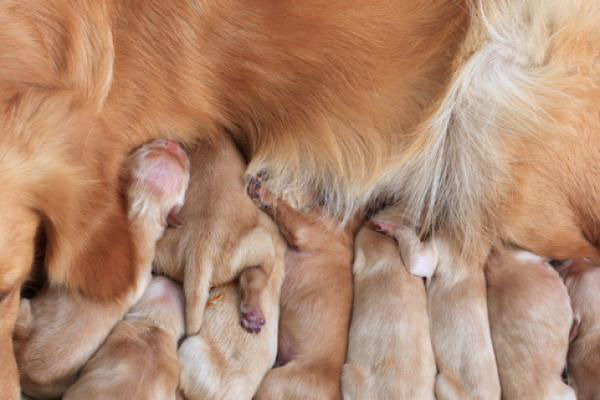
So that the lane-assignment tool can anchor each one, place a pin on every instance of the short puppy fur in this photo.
(316, 300)
(224, 234)
(57, 331)
(138, 360)
(389, 351)
(223, 361)
(583, 283)
(530, 319)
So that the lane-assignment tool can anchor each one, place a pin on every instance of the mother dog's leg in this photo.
(460, 329)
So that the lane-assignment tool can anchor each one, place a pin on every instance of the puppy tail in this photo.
(502, 96)
(355, 382)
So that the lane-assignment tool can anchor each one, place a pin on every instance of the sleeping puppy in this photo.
(583, 282)
(316, 299)
(389, 352)
(57, 331)
(226, 234)
(530, 318)
(223, 361)
(138, 360)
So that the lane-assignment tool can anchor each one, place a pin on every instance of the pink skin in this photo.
(252, 318)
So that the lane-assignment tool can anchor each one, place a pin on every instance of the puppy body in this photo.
(389, 350)
(583, 280)
(224, 361)
(530, 318)
(138, 360)
(316, 299)
(59, 330)
(224, 234)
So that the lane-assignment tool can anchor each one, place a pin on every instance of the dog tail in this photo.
(503, 96)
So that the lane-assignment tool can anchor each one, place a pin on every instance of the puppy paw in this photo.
(252, 319)
(259, 194)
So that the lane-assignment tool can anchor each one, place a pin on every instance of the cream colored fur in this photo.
(530, 317)
(138, 360)
(389, 350)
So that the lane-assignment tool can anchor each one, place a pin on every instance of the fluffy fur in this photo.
(583, 280)
(316, 300)
(57, 330)
(389, 349)
(138, 360)
(530, 318)
(224, 233)
(346, 97)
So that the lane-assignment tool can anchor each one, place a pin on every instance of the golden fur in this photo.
(223, 361)
(223, 234)
(389, 349)
(138, 360)
(583, 280)
(467, 132)
(530, 318)
(55, 319)
(316, 301)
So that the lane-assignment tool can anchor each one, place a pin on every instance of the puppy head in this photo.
(373, 248)
(158, 176)
(419, 257)
(162, 304)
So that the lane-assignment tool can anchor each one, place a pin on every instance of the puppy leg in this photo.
(252, 282)
(460, 331)
(196, 287)
(291, 223)
(300, 381)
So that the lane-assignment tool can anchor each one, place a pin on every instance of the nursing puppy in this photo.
(389, 349)
(225, 234)
(530, 318)
(583, 280)
(223, 361)
(57, 331)
(138, 360)
(316, 300)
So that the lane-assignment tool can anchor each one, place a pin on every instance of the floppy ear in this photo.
(98, 257)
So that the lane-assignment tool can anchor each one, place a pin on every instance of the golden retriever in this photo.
(530, 319)
(57, 330)
(389, 349)
(458, 110)
(138, 360)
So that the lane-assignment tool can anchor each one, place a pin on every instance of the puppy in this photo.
(389, 351)
(464, 357)
(138, 360)
(316, 299)
(225, 235)
(530, 318)
(224, 362)
(57, 331)
(583, 282)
